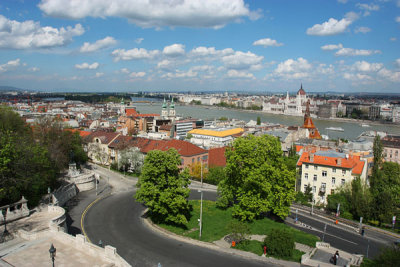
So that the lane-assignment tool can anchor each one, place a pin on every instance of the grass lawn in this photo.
(215, 223)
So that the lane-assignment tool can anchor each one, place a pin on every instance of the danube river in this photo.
(351, 129)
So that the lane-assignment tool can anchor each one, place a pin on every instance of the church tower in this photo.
(172, 112)
(122, 107)
(164, 111)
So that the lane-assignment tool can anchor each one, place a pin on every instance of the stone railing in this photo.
(63, 194)
(85, 181)
(60, 220)
(108, 253)
(14, 211)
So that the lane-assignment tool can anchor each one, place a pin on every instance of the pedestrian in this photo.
(336, 257)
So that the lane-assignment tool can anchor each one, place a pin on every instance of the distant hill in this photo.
(11, 88)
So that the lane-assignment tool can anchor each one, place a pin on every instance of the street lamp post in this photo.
(4, 212)
(201, 172)
(52, 252)
(201, 212)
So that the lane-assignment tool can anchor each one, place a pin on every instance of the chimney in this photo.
(339, 161)
(311, 157)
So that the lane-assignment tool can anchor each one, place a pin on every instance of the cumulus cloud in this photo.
(267, 42)
(240, 74)
(99, 74)
(332, 26)
(357, 77)
(293, 69)
(202, 51)
(365, 66)
(99, 44)
(137, 74)
(362, 30)
(30, 35)
(87, 66)
(398, 62)
(367, 8)
(356, 52)
(332, 47)
(124, 70)
(10, 65)
(134, 54)
(156, 13)
(393, 76)
(240, 60)
(174, 50)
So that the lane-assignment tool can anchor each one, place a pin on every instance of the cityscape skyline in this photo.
(254, 46)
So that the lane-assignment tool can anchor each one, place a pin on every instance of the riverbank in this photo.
(349, 120)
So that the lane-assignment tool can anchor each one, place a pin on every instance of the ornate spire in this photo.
(164, 106)
(301, 86)
(172, 105)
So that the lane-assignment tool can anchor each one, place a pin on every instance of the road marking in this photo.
(84, 214)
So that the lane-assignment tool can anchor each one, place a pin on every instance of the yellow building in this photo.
(214, 137)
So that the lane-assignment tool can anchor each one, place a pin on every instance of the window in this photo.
(315, 177)
(343, 181)
(333, 180)
(306, 176)
(314, 189)
(315, 167)
(333, 170)
(192, 160)
(344, 172)
(305, 188)
(324, 174)
(306, 166)
(323, 185)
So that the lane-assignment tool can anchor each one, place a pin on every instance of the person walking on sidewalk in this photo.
(336, 257)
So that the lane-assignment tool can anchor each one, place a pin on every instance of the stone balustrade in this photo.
(60, 220)
(63, 194)
(14, 211)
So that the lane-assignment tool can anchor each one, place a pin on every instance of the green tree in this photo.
(163, 188)
(215, 175)
(378, 157)
(360, 199)
(388, 257)
(257, 179)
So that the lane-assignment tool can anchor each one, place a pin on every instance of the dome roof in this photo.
(301, 91)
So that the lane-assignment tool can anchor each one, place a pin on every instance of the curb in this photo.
(244, 254)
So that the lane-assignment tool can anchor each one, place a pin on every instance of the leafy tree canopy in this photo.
(163, 187)
(257, 179)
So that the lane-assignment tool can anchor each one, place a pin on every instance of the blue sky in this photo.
(188, 45)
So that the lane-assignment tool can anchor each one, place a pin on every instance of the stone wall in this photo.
(63, 194)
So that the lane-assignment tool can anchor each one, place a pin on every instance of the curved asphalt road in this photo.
(115, 221)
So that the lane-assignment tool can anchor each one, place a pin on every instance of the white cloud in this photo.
(325, 69)
(398, 62)
(202, 51)
(393, 76)
(10, 65)
(99, 74)
(137, 74)
(202, 68)
(134, 54)
(99, 44)
(267, 42)
(87, 66)
(356, 52)
(124, 70)
(180, 74)
(174, 50)
(293, 69)
(34, 69)
(139, 40)
(356, 77)
(332, 26)
(30, 35)
(367, 8)
(156, 13)
(240, 74)
(398, 19)
(332, 47)
(165, 64)
(240, 60)
(365, 66)
(362, 30)
(398, 3)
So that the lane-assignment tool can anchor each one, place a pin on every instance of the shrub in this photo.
(347, 215)
(239, 230)
(373, 223)
(280, 242)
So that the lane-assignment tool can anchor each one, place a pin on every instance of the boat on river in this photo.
(337, 129)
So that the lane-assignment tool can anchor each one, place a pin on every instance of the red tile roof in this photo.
(216, 157)
(184, 148)
(353, 162)
(147, 115)
(105, 137)
(130, 112)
